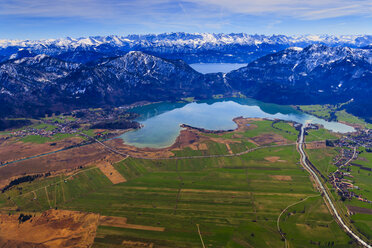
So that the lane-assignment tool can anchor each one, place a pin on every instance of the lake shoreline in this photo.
(162, 121)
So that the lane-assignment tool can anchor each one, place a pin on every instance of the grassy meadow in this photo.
(235, 201)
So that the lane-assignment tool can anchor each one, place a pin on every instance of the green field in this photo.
(349, 118)
(334, 113)
(323, 159)
(262, 127)
(235, 200)
(320, 134)
(60, 119)
(321, 111)
(38, 139)
(364, 158)
(363, 223)
(361, 178)
(46, 127)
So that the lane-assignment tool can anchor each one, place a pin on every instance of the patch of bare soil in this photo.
(203, 146)
(112, 220)
(110, 172)
(53, 228)
(304, 227)
(355, 125)
(359, 210)
(253, 142)
(224, 141)
(122, 222)
(272, 159)
(363, 159)
(229, 148)
(268, 138)
(187, 137)
(281, 177)
(63, 161)
(136, 244)
(316, 145)
(245, 124)
(133, 151)
(70, 160)
(11, 150)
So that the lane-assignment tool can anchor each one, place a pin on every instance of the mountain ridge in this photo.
(196, 47)
(314, 74)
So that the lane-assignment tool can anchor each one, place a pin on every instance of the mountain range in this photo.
(32, 84)
(192, 48)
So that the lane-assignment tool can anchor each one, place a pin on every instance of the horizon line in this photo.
(195, 33)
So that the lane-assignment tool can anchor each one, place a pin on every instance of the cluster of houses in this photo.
(363, 138)
(342, 182)
(342, 179)
(68, 125)
(60, 128)
(344, 156)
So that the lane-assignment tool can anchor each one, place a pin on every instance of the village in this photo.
(78, 121)
(342, 178)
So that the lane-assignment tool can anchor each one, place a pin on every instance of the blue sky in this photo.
(40, 19)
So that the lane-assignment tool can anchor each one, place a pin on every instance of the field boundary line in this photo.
(201, 238)
(127, 155)
(46, 192)
(284, 210)
(58, 182)
(348, 228)
(63, 192)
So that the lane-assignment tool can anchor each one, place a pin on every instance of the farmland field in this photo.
(236, 201)
(260, 198)
(360, 178)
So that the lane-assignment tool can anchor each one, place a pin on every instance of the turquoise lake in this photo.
(161, 121)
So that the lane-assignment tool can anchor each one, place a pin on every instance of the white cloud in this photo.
(192, 11)
(302, 9)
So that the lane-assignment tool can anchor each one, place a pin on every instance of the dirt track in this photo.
(63, 161)
(122, 222)
(69, 160)
(8, 147)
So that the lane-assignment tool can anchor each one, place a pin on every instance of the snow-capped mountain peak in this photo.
(192, 48)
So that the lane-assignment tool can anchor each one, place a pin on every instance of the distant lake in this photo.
(216, 67)
(162, 120)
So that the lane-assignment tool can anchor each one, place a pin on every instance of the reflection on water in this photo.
(216, 67)
(162, 121)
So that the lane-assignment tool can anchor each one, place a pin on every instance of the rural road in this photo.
(300, 145)
(322, 190)
(284, 210)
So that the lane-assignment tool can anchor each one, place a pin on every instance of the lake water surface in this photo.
(216, 67)
(161, 121)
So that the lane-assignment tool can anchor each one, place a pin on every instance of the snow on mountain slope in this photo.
(194, 40)
(314, 74)
(315, 55)
(197, 47)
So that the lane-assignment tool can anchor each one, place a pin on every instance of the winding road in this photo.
(284, 210)
(304, 163)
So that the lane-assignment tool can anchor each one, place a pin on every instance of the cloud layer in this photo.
(165, 9)
(81, 17)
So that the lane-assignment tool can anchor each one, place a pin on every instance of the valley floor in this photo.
(232, 189)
